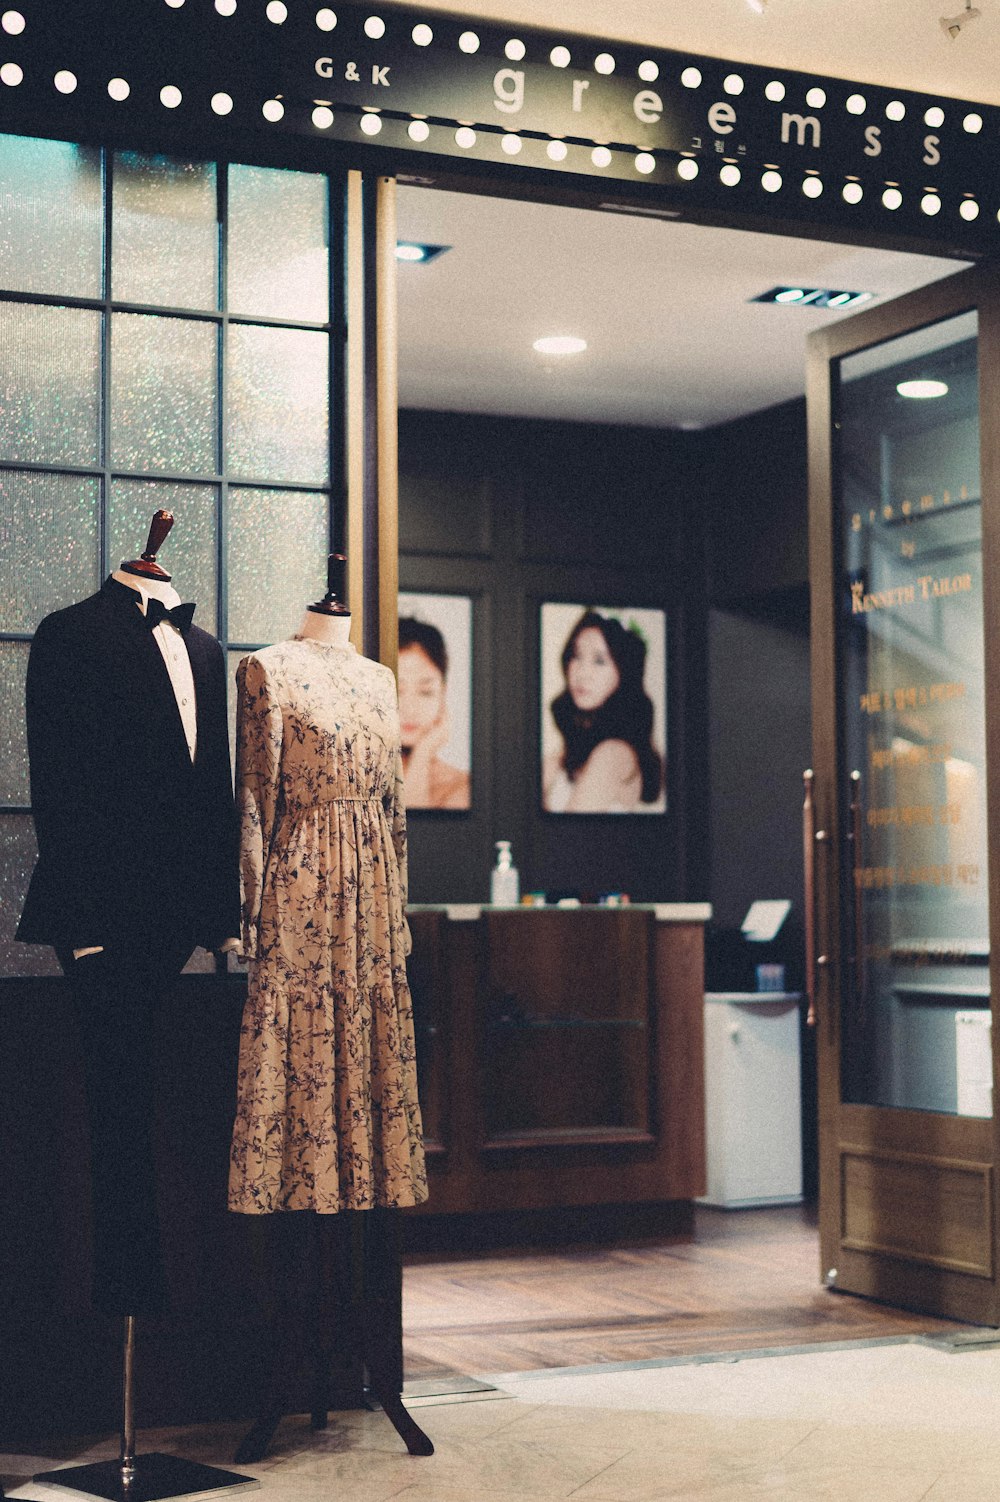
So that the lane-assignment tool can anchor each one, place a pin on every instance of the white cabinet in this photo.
(753, 1112)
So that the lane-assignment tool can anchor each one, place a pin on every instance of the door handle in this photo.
(809, 893)
(860, 969)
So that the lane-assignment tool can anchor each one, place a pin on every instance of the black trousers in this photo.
(117, 995)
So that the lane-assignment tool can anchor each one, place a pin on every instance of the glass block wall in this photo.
(164, 342)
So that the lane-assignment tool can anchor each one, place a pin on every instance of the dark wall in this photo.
(517, 512)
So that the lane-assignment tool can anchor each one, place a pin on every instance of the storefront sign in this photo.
(670, 129)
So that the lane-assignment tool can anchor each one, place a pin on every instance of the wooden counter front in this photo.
(561, 1055)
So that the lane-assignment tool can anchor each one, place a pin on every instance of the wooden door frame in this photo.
(966, 1148)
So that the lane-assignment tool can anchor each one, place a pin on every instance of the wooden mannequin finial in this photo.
(147, 566)
(334, 602)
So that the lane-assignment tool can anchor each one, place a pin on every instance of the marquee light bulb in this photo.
(559, 57)
(515, 50)
(11, 74)
(65, 81)
(691, 78)
(687, 168)
(511, 144)
(371, 124)
(775, 91)
(326, 19)
(276, 12)
(852, 193)
(322, 117)
(856, 104)
(422, 35)
(222, 103)
(649, 71)
(273, 110)
(468, 42)
(465, 137)
(119, 89)
(733, 83)
(375, 28)
(730, 175)
(892, 198)
(418, 130)
(771, 181)
(12, 22)
(557, 151)
(604, 63)
(645, 163)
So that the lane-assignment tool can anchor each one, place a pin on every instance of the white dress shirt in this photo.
(170, 641)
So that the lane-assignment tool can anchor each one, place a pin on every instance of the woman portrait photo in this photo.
(603, 677)
(435, 693)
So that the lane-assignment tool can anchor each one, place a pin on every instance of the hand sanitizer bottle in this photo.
(505, 888)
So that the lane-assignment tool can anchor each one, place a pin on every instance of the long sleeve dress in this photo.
(327, 1116)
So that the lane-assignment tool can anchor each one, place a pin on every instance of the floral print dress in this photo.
(327, 1116)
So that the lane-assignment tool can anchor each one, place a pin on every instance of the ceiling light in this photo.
(757, 5)
(560, 344)
(922, 391)
(953, 26)
(415, 251)
(813, 297)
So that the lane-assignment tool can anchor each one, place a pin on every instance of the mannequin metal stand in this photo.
(143, 1478)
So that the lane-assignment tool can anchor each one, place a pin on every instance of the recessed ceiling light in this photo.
(560, 344)
(414, 250)
(812, 297)
(922, 391)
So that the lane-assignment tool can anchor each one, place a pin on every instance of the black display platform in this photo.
(157, 1477)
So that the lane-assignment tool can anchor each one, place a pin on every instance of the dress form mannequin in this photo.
(320, 722)
(128, 746)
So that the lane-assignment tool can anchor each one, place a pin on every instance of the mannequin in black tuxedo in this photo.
(137, 865)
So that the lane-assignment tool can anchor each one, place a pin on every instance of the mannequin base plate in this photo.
(157, 1477)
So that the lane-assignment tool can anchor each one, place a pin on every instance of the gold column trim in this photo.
(354, 426)
(387, 397)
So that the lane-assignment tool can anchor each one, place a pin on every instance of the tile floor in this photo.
(900, 1421)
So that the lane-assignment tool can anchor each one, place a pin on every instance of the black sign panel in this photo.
(663, 127)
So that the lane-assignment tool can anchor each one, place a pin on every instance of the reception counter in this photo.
(561, 1055)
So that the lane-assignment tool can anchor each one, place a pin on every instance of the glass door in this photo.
(898, 837)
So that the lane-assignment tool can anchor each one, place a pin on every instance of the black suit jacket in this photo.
(134, 842)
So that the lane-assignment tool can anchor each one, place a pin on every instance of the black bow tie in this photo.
(180, 615)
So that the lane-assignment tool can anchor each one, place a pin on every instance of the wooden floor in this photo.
(749, 1280)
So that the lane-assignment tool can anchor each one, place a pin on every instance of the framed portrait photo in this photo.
(603, 676)
(435, 699)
